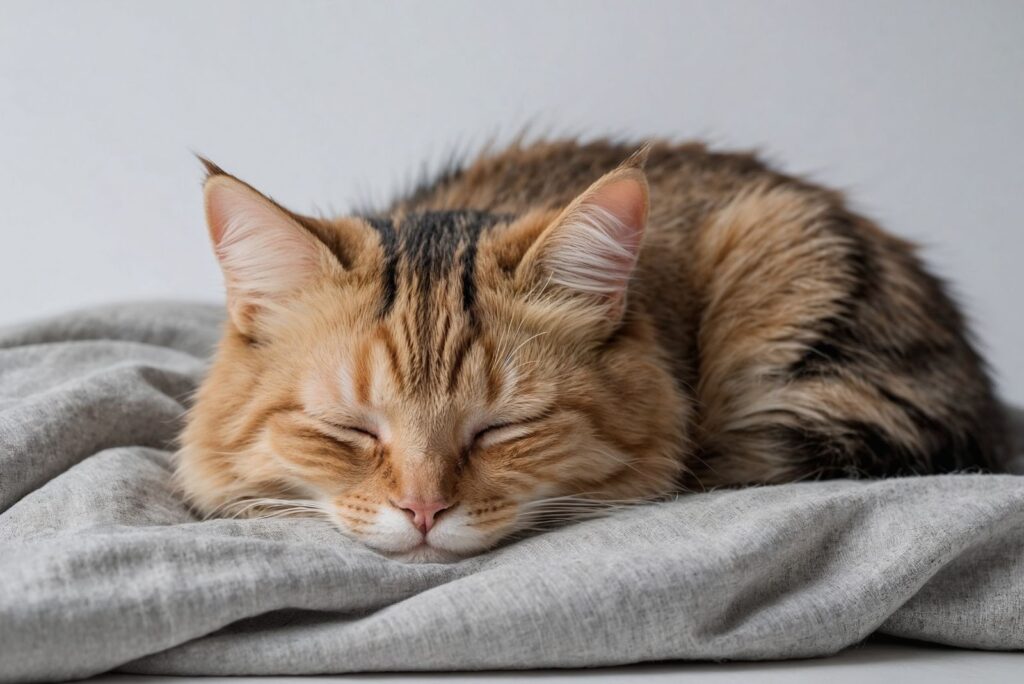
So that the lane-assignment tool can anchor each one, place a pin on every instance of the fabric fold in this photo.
(103, 567)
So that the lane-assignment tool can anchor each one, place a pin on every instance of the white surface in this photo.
(915, 106)
(906, 663)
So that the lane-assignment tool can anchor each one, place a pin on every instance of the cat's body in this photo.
(520, 346)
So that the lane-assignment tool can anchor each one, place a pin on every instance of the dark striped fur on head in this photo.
(425, 247)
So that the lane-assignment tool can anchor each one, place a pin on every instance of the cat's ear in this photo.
(591, 249)
(265, 254)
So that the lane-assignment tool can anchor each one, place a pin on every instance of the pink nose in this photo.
(422, 513)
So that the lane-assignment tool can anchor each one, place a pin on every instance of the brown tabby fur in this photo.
(769, 335)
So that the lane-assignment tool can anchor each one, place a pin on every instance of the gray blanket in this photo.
(102, 567)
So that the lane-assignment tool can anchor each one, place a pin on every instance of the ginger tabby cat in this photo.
(550, 332)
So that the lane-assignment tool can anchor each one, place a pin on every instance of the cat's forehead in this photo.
(427, 330)
(429, 257)
(427, 370)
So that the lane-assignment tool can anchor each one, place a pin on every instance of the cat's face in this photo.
(432, 383)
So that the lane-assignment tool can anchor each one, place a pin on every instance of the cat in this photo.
(560, 328)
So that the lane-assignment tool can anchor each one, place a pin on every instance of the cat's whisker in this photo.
(508, 335)
(510, 356)
(553, 511)
(274, 508)
(224, 509)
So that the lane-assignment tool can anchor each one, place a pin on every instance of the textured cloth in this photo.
(102, 566)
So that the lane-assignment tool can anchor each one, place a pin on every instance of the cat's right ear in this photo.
(265, 254)
(591, 249)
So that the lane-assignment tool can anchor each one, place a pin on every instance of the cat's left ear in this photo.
(266, 255)
(591, 249)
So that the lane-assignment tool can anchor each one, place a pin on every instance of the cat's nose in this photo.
(422, 513)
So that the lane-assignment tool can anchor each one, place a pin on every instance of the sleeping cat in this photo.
(552, 331)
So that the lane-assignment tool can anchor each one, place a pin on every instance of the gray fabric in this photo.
(101, 566)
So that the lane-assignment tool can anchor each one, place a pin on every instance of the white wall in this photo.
(915, 108)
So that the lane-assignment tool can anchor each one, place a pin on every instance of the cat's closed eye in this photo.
(349, 433)
(500, 433)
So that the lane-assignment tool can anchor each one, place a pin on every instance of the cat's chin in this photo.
(425, 554)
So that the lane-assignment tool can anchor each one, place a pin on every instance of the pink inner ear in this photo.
(626, 199)
(594, 250)
(227, 201)
(262, 251)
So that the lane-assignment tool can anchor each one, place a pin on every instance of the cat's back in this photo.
(684, 178)
(689, 185)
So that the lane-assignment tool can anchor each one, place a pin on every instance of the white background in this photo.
(915, 108)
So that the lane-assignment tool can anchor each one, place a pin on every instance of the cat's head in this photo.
(432, 382)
